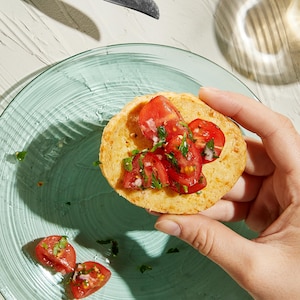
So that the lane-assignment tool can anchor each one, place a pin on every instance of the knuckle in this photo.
(203, 241)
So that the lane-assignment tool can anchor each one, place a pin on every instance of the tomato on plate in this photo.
(56, 252)
(159, 118)
(145, 170)
(185, 159)
(88, 278)
(209, 139)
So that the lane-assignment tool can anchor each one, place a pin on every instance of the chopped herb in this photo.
(183, 147)
(190, 133)
(156, 146)
(210, 144)
(127, 163)
(96, 163)
(61, 244)
(173, 250)
(21, 155)
(144, 268)
(155, 183)
(185, 189)
(172, 159)
(44, 245)
(114, 245)
(142, 169)
(135, 152)
(209, 150)
(162, 133)
(114, 248)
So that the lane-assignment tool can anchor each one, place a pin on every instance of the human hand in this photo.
(267, 197)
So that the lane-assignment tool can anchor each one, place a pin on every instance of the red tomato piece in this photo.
(56, 252)
(185, 160)
(147, 171)
(209, 139)
(183, 189)
(88, 278)
(160, 112)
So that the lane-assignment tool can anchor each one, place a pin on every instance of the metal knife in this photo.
(148, 7)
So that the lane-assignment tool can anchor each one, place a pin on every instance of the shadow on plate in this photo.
(260, 38)
(61, 183)
(68, 15)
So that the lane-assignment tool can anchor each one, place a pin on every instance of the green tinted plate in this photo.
(58, 188)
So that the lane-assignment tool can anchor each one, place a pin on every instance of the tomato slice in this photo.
(56, 252)
(185, 159)
(146, 171)
(160, 118)
(88, 278)
(209, 139)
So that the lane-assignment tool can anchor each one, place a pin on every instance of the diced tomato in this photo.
(185, 160)
(88, 278)
(56, 252)
(183, 189)
(178, 153)
(209, 139)
(147, 171)
(160, 113)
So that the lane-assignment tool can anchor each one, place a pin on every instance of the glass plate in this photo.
(58, 189)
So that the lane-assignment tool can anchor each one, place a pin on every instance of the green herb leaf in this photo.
(114, 245)
(96, 163)
(172, 159)
(211, 144)
(185, 189)
(127, 163)
(60, 245)
(173, 250)
(184, 147)
(144, 268)
(162, 133)
(21, 155)
(155, 183)
(156, 146)
(190, 133)
(135, 152)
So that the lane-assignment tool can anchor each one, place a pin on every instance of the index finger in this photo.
(277, 132)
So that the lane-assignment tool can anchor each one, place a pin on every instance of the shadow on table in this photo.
(60, 182)
(260, 38)
(68, 15)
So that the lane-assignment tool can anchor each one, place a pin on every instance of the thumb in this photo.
(213, 239)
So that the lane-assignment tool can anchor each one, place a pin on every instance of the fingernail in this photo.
(169, 227)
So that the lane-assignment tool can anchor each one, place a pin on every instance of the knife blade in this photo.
(148, 7)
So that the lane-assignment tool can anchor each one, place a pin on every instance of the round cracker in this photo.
(122, 135)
